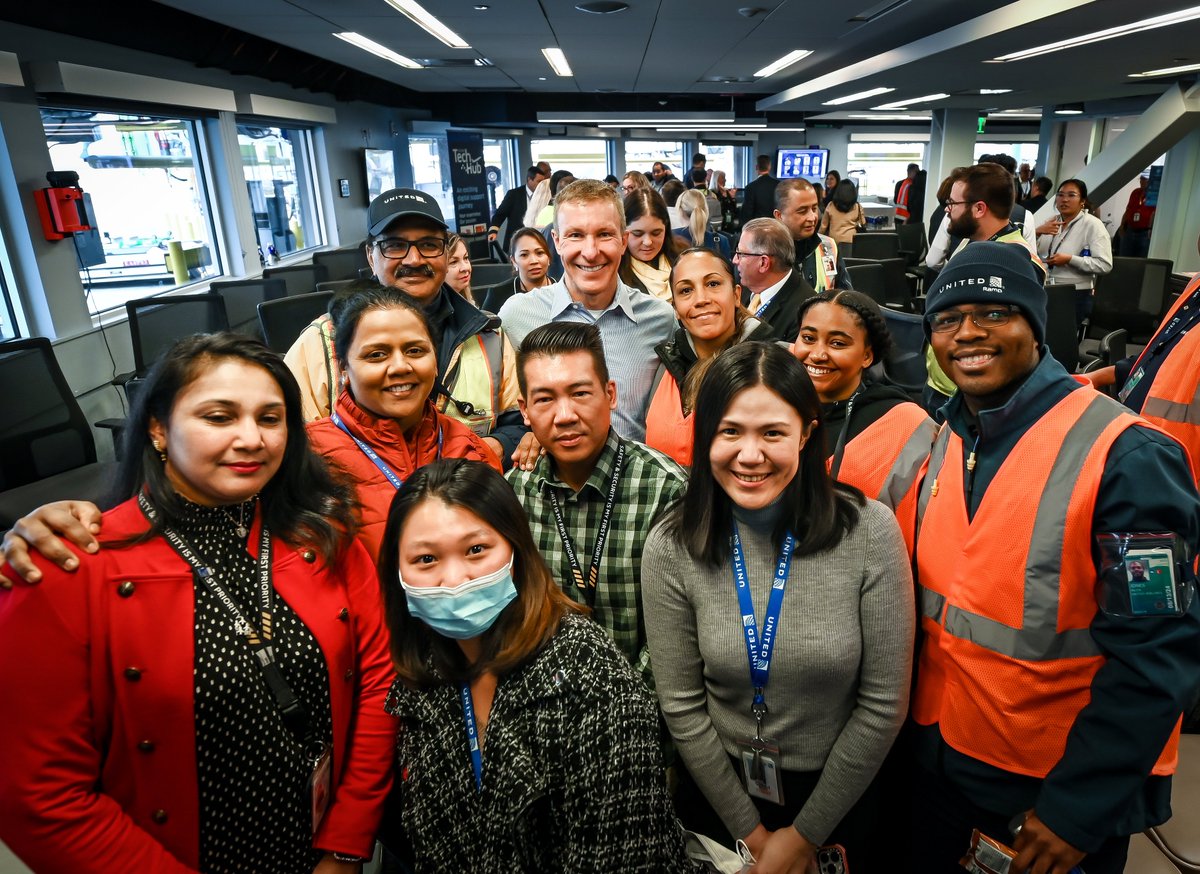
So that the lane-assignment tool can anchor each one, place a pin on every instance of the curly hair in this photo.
(866, 313)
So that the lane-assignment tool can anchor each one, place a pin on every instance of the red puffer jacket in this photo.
(402, 454)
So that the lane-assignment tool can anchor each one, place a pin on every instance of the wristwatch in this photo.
(344, 857)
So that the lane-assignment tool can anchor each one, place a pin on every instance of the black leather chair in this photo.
(155, 323)
(282, 320)
(299, 278)
(876, 245)
(1062, 336)
(913, 244)
(47, 451)
(1132, 296)
(869, 278)
(905, 366)
(341, 263)
(483, 275)
(242, 297)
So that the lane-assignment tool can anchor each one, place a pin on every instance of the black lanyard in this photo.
(295, 716)
(1070, 227)
(839, 450)
(588, 584)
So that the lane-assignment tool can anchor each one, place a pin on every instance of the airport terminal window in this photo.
(1022, 153)
(500, 159)
(877, 167)
(277, 165)
(586, 159)
(148, 200)
(640, 155)
(431, 171)
(731, 159)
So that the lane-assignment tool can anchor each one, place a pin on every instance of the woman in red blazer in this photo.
(206, 692)
(385, 425)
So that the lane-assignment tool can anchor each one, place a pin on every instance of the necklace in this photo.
(240, 521)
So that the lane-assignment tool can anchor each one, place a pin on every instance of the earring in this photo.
(162, 453)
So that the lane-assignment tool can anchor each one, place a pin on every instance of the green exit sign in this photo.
(982, 123)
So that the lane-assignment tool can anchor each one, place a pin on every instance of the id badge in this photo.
(830, 265)
(760, 769)
(1131, 384)
(320, 785)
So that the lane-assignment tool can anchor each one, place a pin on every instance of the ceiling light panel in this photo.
(783, 63)
(904, 104)
(419, 16)
(1157, 21)
(557, 61)
(861, 95)
(381, 51)
(1165, 71)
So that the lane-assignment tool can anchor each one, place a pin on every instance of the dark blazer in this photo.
(512, 209)
(783, 312)
(1033, 204)
(758, 198)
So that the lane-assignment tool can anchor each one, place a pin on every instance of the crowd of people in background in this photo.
(640, 544)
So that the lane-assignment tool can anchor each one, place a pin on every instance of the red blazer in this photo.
(402, 455)
(98, 769)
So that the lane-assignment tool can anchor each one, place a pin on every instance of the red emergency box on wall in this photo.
(62, 211)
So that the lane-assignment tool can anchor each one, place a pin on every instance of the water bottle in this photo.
(1086, 253)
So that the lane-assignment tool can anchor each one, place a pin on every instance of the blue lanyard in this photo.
(758, 650)
(472, 736)
(762, 309)
(374, 456)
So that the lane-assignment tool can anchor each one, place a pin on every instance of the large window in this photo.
(431, 171)
(877, 167)
(586, 159)
(733, 160)
(640, 155)
(500, 161)
(1022, 153)
(147, 197)
(277, 163)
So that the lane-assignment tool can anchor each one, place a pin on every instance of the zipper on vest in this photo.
(971, 476)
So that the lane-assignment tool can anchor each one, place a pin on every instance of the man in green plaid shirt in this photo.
(568, 399)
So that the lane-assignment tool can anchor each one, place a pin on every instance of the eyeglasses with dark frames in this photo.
(995, 316)
(395, 248)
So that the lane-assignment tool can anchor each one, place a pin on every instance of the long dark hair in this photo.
(845, 196)
(816, 510)
(866, 314)
(422, 657)
(364, 299)
(639, 204)
(304, 504)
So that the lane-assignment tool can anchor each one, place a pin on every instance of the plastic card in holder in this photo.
(1144, 574)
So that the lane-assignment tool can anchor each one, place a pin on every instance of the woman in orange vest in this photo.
(711, 319)
(385, 424)
(877, 438)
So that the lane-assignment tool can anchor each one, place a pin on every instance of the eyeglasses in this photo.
(737, 254)
(1067, 195)
(950, 203)
(986, 318)
(396, 248)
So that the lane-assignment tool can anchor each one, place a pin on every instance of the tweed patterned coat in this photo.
(572, 773)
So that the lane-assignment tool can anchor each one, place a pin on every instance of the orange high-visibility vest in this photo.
(667, 428)
(902, 199)
(1173, 401)
(1006, 599)
(885, 461)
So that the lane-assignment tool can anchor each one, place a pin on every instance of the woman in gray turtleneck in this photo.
(766, 555)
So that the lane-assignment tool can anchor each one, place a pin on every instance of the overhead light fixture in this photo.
(1010, 113)
(418, 15)
(995, 90)
(1069, 109)
(784, 62)
(881, 116)
(1165, 71)
(635, 119)
(861, 95)
(603, 7)
(557, 61)
(904, 104)
(1157, 21)
(369, 45)
(751, 129)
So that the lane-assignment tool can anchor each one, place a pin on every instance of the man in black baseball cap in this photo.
(406, 242)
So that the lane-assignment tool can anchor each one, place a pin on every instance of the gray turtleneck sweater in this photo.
(840, 673)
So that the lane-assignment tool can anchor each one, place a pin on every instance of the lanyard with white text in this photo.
(295, 716)
(472, 735)
(762, 309)
(758, 650)
(374, 456)
(588, 583)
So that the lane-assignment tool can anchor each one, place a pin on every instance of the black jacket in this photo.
(678, 356)
(782, 314)
(497, 294)
(758, 198)
(512, 209)
(873, 401)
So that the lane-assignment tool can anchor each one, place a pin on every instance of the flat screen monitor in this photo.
(801, 163)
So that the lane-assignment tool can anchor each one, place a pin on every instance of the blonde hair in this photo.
(589, 191)
(539, 201)
(694, 208)
(639, 179)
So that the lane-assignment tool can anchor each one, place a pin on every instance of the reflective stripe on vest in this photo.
(667, 429)
(476, 372)
(1007, 598)
(325, 330)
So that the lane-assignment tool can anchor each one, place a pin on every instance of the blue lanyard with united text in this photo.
(758, 650)
(472, 735)
(374, 456)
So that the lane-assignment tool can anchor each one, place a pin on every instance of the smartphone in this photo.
(832, 860)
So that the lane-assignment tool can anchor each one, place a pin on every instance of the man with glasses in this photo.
(772, 287)
(406, 249)
(1044, 706)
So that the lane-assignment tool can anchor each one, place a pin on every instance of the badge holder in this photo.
(320, 784)
(1143, 575)
(759, 756)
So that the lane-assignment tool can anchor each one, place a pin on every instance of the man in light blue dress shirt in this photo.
(589, 233)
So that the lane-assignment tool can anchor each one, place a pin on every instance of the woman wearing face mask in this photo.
(877, 437)
(712, 319)
(527, 742)
(458, 270)
(191, 694)
(1075, 246)
(385, 424)
(531, 260)
(650, 247)
(764, 546)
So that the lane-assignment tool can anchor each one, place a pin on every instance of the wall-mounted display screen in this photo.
(801, 163)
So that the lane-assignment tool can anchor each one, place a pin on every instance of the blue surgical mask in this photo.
(466, 610)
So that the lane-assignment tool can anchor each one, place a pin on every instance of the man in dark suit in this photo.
(758, 197)
(1039, 190)
(772, 287)
(512, 207)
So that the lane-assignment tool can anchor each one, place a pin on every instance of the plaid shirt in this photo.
(650, 482)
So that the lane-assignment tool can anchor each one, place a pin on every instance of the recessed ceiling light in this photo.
(904, 104)
(419, 16)
(602, 7)
(557, 61)
(1165, 71)
(1069, 109)
(369, 45)
(482, 8)
(861, 95)
(1170, 18)
(995, 90)
(782, 63)
(541, 78)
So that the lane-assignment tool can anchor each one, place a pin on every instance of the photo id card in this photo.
(760, 769)
(1151, 578)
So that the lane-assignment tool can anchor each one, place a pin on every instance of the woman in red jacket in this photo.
(878, 438)
(206, 692)
(385, 425)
